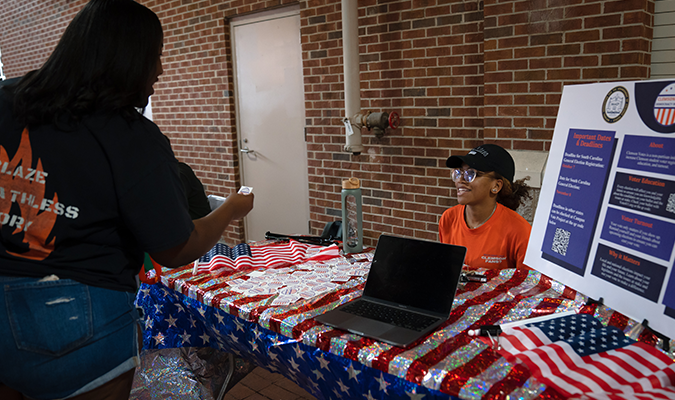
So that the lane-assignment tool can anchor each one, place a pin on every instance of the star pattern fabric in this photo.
(317, 371)
(203, 310)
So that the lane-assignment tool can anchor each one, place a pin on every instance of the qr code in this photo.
(670, 207)
(560, 241)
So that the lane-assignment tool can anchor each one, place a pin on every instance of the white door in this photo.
(270, 121)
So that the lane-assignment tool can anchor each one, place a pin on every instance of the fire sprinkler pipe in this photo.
(350, 51)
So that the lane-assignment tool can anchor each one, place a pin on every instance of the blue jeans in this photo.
(60, 338)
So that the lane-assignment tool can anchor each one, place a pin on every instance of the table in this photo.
(187, 309)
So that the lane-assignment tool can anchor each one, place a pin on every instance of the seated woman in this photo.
(485, 221)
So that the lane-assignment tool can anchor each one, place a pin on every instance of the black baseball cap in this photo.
(486, 158)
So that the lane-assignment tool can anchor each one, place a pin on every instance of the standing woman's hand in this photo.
(208, 230)
(240, 204)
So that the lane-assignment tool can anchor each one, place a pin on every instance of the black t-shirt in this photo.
(198, 202)
(86, 203)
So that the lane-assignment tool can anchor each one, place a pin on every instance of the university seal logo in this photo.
(615, 104)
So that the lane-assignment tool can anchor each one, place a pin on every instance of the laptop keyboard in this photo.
(394, 316)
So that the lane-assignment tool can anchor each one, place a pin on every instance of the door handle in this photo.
(247, 150)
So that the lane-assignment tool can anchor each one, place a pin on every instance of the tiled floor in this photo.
(261, 384)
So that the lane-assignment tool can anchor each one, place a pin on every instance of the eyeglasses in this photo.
(469, 174)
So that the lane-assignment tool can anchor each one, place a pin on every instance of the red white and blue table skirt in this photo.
(265, 312)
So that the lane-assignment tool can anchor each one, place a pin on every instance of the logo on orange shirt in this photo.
(492, 259)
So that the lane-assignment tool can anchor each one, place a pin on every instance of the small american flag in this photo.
(242, 256)
(583, 359)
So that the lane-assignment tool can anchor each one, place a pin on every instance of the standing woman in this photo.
(485, 221)
(87, 186)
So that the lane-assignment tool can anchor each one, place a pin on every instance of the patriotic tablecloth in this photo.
(266, 315)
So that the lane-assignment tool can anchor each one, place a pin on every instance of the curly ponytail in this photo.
(513, 194)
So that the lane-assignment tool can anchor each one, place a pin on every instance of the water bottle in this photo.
(352, 225)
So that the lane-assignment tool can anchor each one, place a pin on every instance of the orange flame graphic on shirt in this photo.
(27, 192)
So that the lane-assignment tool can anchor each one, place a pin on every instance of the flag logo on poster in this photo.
(664, 106)
(615, 104)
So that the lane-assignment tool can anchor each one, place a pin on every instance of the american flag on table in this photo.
(242, 256)
(581, 358)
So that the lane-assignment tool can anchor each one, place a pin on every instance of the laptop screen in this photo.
(415, 273)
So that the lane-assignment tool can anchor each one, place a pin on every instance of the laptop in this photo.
(407, 276)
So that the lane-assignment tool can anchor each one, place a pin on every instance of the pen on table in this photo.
(491, 331)
(473, 278)
(486, 330)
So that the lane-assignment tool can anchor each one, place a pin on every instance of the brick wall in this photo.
(533, 48)
(459, 73)
(29, 30)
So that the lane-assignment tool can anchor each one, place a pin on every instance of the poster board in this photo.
(605, 221)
